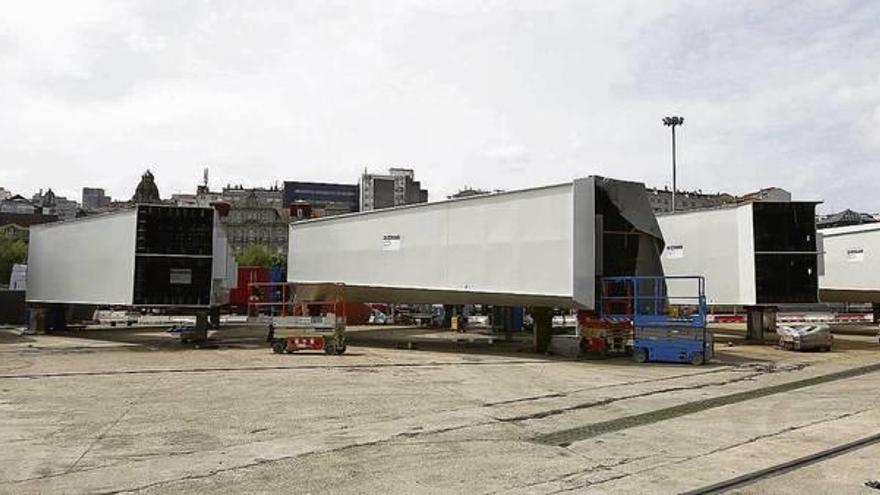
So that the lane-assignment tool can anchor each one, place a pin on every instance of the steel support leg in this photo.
(760, 320)
(37, 319)
(200, 332)
(215, 317)
(543, 328)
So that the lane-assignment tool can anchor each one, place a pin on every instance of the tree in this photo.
(259, 255)
(12, 251)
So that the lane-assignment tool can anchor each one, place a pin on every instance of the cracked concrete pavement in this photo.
(131, 411)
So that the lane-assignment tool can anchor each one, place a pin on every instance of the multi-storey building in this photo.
(397, 187)
(469, 191)
(254, 221)
(843, 218)
(202, 197)
(51, 204)
(18, 204)
(17, 214)
(324, 198)
(93, 198)
(661, 199)
(265, 196)
(766, 194)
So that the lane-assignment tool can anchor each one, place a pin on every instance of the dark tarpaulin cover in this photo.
(631, 200)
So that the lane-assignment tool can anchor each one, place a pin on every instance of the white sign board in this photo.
(674, 251)
(855, 255)
(181, 276)
(391, 242)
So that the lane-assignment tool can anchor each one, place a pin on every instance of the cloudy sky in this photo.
(488, 94)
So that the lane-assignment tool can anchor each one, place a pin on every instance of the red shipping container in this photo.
(238, 297)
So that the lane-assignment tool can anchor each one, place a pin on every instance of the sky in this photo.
(486, 94)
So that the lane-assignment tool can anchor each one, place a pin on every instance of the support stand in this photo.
(199, 333)
(214, 317)
(760, 320)
(543, 331)
(502, 321)
(47, 318)
(37, 319)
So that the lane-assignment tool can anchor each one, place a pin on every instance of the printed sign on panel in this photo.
(855, 255)
(391, 242)
(674, 251)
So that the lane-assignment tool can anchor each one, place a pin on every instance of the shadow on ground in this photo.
(14, 336)
(411, 339)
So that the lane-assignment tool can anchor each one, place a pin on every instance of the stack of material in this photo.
(805, 337)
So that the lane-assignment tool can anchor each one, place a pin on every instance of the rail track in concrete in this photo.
(564, 438)
(785, 467)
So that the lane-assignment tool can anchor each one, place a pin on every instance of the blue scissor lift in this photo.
(658, 334)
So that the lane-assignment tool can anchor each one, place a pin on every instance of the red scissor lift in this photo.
(299, 325)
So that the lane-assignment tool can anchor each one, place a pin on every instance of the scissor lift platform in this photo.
(660, 335)
(308, 333)
(301, 325)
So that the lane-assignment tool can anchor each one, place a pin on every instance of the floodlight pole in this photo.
(673, 122)
(673, 168)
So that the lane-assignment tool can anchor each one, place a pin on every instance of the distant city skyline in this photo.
(279, 186)
(502, 95)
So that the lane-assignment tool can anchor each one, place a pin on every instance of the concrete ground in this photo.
(132, 410)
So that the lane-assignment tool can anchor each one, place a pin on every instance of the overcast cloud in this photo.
(502, 94)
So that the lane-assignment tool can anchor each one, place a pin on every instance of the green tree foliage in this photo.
(259, 255)
(12, 251)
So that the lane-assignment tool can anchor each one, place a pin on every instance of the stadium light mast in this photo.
(673, 122)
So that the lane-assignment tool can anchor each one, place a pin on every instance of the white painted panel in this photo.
(512, 243)
(745, 224)
(584, 250)
(220, 251)
(224, 266)
(852, 258)
(88, 261)
(711, 243)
